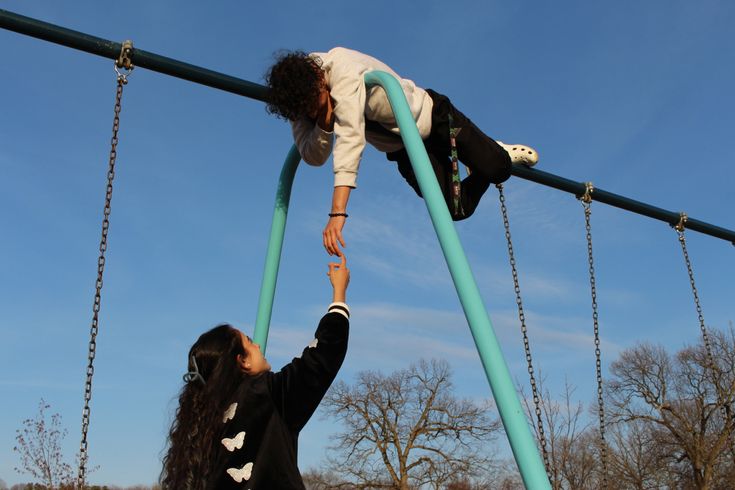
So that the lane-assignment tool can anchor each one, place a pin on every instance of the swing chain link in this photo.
(586, 200)
(524, 331)
(83, 454)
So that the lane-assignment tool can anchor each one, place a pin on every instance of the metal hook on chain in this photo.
(681, 225)
(124, 62)
(588, 190)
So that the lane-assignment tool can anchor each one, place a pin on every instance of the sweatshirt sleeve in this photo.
(299, 387)
(314, 144)
(347, 89)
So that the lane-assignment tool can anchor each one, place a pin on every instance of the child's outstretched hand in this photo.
(332, 235)
(339, 276)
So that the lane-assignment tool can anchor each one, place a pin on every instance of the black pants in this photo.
(489, 162)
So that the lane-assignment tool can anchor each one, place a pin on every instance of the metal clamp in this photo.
(681, 225)
(588, 190)
(125, 61)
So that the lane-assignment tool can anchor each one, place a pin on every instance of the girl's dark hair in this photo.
(293, 82)
(202, 402)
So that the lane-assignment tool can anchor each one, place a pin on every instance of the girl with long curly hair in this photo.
(237, 423)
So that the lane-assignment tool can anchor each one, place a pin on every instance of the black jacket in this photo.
(259, 444)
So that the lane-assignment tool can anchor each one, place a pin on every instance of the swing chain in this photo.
(586, 200)
(83, 454)
(524, 331)
(680, 228)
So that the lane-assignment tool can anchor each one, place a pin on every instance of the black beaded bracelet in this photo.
(333, 215)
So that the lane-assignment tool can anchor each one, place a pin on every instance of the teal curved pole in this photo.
(275, 245)
(514, 420)
(511, 413)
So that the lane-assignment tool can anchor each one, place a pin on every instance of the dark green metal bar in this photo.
(196, 74)
(578, 188)
(143, 59)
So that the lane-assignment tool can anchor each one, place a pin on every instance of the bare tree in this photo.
(38, 444)
(315, 479)
(686, 402)
(572, 445)
(501, 476)
(637, 460)
(407, 430)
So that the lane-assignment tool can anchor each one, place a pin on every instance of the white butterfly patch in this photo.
(235, 442)
(313, 343)
(241, 474)
(230, 413)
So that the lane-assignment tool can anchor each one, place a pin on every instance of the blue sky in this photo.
(633, 96)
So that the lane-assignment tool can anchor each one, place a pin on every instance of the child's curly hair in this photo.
(293, 81)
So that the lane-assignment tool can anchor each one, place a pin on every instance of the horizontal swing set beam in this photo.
(622, 202)
(169, 66)
(142, 59)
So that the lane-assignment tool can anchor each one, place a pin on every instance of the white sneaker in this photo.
(520, 154)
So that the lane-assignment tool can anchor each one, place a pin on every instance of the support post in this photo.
(275, 245)
(514, 420)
